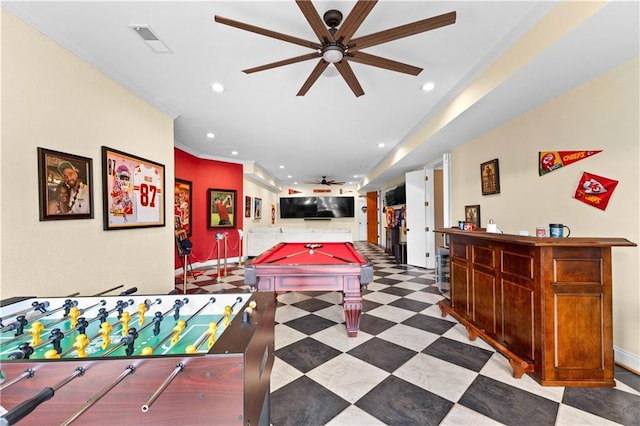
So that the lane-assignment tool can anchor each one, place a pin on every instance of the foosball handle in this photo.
(18, 412)
(129, 291)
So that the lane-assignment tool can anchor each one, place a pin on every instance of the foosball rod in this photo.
(205, 335)
(169, 335)
(108, 291)
(35, 306)
(21, 410)
(51, 324)
(162, 387)
(27, 374)
(67, 304)
(130, 369)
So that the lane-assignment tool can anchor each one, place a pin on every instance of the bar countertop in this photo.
(541, 241)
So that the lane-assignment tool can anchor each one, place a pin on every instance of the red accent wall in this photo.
(205, 174)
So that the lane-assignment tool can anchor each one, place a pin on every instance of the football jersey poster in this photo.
(134, 191)
(595, 190)
(549, 161)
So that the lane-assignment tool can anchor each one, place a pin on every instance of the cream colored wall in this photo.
(52, 99)
(602, 114)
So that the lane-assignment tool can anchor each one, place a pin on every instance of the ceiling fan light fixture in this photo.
(332, 53)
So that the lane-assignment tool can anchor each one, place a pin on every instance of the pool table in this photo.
(317, 266)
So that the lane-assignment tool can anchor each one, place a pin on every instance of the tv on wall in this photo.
(316, 207)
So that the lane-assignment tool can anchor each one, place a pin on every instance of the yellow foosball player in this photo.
(81, 344)
(142, 308)
(52, 354)
(105, 331)
(36, 330)
(180, 325)
(124, 320)
(74, 313)
(211, 331)
(227, 315)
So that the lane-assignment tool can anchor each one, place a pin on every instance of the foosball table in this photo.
(178, 359)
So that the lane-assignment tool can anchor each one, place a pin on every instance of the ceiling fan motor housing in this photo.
(332, 18)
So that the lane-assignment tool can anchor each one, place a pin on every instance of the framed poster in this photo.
(132, 191)
(65, 185)
(257, 208)
(490, 177)
(472, 215)
(222, 208)
(247, 206)
(182, 205)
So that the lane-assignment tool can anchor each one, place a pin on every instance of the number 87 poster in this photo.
(132, 191)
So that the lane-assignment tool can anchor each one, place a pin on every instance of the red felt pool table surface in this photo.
(314, 266)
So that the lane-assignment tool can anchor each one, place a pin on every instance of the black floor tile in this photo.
(385, 355)
(467, 356)
(304, 402)
(306, 354)
(410, 305)
(430, 324)
(627, 377)
(312, 305)
(387, 281)
(420, 280)
(508, 405)
(396, 402)
(397, 291)
(368, 305)
(374, 325)
(610, 403)
(310, 324)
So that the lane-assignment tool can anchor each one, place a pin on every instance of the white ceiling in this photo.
(329, 132)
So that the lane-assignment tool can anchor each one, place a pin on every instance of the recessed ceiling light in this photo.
(282, 167)
(429, 86)
(210, 135)
(234, 152)
(217, 87)
(380, 145)
(289, 176)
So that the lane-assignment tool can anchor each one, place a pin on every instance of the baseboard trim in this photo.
(626, 359)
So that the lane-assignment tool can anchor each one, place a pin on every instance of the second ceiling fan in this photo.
(336, 44)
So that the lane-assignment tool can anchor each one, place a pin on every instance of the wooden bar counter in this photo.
(544, 303)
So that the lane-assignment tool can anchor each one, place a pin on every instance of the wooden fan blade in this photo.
(357, 15)
(402, 31)
(267, 33)
(283, 62)
(347, 73)
(315, 74)
(313, 18)
(377, 61)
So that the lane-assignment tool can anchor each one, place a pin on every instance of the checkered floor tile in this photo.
(408, 365)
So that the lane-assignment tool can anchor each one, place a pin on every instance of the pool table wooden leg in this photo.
(352, 304)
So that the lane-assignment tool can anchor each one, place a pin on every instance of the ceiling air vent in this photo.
(150, 38)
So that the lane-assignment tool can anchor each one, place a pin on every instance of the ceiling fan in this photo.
(337, 45)
(324, 181)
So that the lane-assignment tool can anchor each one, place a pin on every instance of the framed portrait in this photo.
(472, 215)
(257, 208)
(132, 191)
(247, 206)
(490, 177)
(65, 185)
(222, 208)
(182, 205)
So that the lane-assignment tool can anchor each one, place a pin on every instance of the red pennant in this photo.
(293, 191)
(595, 190)
(549, 161)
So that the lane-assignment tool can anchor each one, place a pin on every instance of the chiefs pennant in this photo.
(595, 190)
(293, 191)
(549, 161)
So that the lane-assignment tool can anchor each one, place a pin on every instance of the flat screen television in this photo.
(316, 207)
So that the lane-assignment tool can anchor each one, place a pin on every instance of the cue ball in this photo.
(311, 251)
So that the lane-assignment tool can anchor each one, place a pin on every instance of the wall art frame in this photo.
(182, 205)
(222, 208)
(65, 185)
(133, 191)
(257, 208)
(247, 206)
(472, 215)
(490, 177)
